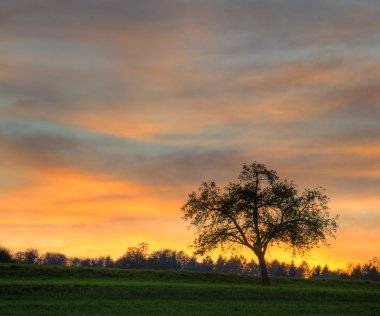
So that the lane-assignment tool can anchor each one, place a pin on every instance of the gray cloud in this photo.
(212, 72)
(41, 145)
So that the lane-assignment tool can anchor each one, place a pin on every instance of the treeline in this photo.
(167, 259)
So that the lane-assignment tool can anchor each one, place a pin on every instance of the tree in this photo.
(235, 264)
(257, 211)
(5, 255)
(164, 259)
(135, 257)
(191, 264)
(303, 270)
(207, 264)
(54, 258)
(277, 269)
(317, 271)
(355, 271)
(220, 264)
(325, 272)
(29, 256)
(292, 270)
(252, 267)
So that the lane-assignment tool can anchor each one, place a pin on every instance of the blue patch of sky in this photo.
(19, 129)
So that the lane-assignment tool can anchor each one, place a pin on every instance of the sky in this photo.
(112, 112)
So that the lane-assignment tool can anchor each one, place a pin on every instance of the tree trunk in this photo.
(263, 269)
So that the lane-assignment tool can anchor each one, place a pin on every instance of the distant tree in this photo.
(98, 262)
(102, 261)
(29, 256)
(355, 271)
(164, 259)
(257, 211)
(220, 264)
(86, 262)
(74, 262)
(292, 269)
(135, 257)
(207, 264)
(191, 264)
(325, 272)
(368, 271)
(108, 262)
(375, 262)
(5, 255)
(303, 270)
(235, 264)
(277, 268)
(338, 273)
(371, 270)
(316, 272)
(251, 267)
(283, 269)
(182, 259)
(54, 258)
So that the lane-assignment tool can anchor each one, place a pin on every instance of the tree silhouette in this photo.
(317, 271)
(257, 211)
(207, 264)
(303, 270)
(135, 257)
(325, 272)
(54, 258)
(164, 259)
(29, 256)
(5, 255)
(277, 269)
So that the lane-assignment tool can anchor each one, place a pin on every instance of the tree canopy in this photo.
(257, 211)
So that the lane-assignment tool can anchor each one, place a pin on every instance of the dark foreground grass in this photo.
(43, 290)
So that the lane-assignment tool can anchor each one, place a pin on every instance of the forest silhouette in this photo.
(139, 257)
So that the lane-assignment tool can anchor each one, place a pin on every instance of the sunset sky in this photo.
(112, 112)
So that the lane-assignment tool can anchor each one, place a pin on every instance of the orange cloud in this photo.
(72, 212)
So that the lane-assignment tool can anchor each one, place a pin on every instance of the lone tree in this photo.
(258, 211)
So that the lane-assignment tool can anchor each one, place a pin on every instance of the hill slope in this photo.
(44, 290)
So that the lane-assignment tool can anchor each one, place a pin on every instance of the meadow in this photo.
(53, 290)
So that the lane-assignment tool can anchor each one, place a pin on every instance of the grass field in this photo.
(44, 290)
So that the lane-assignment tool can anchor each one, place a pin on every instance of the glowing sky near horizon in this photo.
(111, 112)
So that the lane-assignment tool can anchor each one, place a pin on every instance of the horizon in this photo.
(297, 260)
(111, 113)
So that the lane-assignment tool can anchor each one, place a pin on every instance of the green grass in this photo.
(44, 290)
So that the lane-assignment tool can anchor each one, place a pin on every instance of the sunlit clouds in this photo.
(111, 112)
